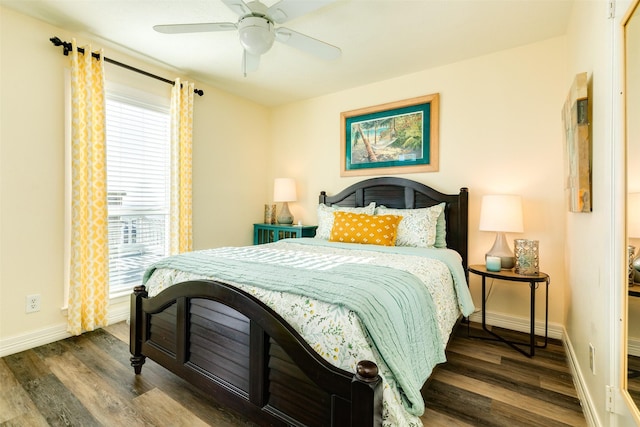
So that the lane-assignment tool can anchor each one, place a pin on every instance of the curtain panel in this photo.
(89, 270)
(181, 154)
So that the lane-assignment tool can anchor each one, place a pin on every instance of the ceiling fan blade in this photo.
(250, 62)
(307, 44)
(195, 28)
(285, 10)
(238, 7)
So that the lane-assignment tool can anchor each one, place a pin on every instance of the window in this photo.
(138, 187)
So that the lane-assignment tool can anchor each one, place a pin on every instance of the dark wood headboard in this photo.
(402, 193)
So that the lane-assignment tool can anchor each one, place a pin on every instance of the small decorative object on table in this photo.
(493, 263)
(526, 252)
(269, 214)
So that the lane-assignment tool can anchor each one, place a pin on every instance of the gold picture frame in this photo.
(392, 138)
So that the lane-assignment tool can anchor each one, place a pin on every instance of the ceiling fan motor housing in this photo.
(256, 34)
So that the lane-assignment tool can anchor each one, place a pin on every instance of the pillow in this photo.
(441, 230)
(325, 217)
(418, 227)
(352, 227)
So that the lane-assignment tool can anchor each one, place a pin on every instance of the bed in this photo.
(221, 334)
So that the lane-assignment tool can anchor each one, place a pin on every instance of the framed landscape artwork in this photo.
(397, 137)
(575, 115)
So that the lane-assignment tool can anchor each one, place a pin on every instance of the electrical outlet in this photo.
(592, 358)
(33, 303)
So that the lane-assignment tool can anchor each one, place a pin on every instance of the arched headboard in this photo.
(402, 193)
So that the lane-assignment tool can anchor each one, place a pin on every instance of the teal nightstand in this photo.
(267, 233)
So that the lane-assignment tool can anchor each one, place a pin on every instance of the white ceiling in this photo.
(380, 39)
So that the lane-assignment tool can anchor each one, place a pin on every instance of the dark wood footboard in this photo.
(230, 344)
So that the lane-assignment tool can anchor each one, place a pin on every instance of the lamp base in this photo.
(501, 250)
(285, 216)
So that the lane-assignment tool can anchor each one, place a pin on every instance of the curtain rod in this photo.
(67, 47)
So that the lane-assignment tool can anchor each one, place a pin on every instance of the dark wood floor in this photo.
(87, 381)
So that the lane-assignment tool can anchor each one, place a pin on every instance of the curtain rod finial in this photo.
(66, 46)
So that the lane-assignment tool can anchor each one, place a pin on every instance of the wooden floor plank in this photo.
(159, 407)
(113, 371)
(54, 401)
(437, 419)
(521, 416)
(522, 379)
(119, 330)
(96, 394)
(16, 407)
(495, 393)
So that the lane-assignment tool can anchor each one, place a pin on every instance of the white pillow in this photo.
(418, 226)
(325, 217)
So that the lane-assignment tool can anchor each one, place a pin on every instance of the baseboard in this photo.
(588, 407)
(520, 324)
(50, 334)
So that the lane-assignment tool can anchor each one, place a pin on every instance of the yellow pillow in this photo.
(352, 227)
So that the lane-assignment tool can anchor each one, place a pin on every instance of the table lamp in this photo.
(501, 213)
(284, 190)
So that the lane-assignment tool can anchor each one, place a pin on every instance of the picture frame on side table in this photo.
(393, 138)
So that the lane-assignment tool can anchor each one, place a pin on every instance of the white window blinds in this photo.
(138, 188)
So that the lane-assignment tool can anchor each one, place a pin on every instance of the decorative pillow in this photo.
(325, 217)
(418, 227)
(351, 227)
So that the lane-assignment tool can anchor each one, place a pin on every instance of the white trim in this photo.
(588, 406)
(18, 343)
(520, 324)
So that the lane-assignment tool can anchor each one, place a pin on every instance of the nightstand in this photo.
(534, 281)
(267, 233)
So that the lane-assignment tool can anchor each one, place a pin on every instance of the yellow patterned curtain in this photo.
(181, 135)
(89, 276)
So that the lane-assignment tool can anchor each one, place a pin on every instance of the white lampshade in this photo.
(501, 212)
(633, 215)
(284, 190)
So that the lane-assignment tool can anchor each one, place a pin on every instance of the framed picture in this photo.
(575, 115)
(398, 137)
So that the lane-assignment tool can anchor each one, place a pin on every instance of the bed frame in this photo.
(229, 344)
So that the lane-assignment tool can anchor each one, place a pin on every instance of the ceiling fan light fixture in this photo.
(256, 34)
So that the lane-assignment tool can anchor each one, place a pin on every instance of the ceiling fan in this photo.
(257, 31)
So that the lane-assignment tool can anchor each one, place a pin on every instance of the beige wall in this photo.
(500, 132)
(229, 148)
